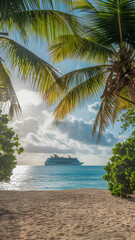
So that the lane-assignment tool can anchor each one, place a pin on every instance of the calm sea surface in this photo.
(55, 177)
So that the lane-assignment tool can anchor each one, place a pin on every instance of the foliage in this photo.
(128, 120)
(120, 171)
(103, 36)
(8, 146)
(107, 39)
(29, 19)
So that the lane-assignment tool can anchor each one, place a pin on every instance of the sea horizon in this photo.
(34, 178)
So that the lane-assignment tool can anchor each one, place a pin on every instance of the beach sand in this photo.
(82, 214)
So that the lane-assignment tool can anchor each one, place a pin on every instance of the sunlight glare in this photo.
(28, 97)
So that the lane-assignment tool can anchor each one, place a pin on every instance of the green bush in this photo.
(120, 171)
(8, 146)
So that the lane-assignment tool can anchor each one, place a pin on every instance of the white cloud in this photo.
(94, 107)
(72, 136)
(81, 131)
(26, 126)
(27, 97)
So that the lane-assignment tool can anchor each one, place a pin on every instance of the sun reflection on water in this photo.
(26, 178)
(20, 178)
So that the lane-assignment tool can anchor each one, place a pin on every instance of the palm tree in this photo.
(28, 19)
(107, 39)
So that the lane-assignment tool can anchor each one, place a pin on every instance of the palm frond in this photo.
(10, 14)
(56, 23)
(69, 46)
(32, 19)
(7, 93)
(71, 80)
(78, 95)
(17, 5)
(42, 23)
(114, 20)
(83, 5)
(39, 73)
(109, 111)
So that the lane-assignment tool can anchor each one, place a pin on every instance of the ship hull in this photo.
(62, 161)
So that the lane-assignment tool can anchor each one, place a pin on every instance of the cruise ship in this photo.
(55, 160)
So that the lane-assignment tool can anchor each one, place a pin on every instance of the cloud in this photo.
(82, 131)
(48, 149)
(40, 135)
(94, 107)
(73, 136)
(26, 126)
(27, 97)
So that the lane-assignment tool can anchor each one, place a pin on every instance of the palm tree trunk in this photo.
(131, 91)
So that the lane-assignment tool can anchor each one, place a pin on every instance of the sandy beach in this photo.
(86, 214)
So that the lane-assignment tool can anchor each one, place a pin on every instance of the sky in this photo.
(39, 134)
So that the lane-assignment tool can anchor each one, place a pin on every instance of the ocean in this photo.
(26, 178)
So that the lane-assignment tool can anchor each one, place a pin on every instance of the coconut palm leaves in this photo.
(82, 91)
(44, 24)
(87, 80)
(31, 68)
(7, 93)
(29, 65)
(74, 46)
(108, 38)
(14, 14)
(30, 19)
(111, 21)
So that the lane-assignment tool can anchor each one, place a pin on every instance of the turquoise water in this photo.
(55, 177)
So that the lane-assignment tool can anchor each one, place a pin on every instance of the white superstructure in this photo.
(56, 160)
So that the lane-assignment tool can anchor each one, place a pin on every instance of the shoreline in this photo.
(76, 214)
(54, 190)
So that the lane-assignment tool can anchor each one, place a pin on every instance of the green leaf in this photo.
(7, 93)
(83, 91)
(76, 47)
(39, 73)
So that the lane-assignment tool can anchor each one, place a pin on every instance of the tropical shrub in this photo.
(8, 146)
(128, 120)
(120, 170)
